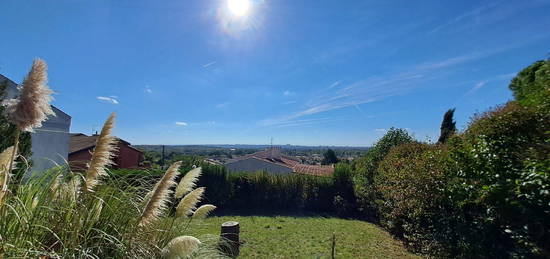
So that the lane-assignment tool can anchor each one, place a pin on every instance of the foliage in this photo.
(532, 85)
(250, 192)
(344, 201)
(329, 157)
(448, 126)
(8, 131)
(500, 181)
(365, 169)
(413, 206)
(51, 216)
(307, 237)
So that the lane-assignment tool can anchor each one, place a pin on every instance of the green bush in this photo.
(531, 86)
(365, 170)
(501, 179)
(411, 181)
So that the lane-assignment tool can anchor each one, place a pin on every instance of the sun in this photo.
(238, 8)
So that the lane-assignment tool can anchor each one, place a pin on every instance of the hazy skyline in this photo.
(302, 72)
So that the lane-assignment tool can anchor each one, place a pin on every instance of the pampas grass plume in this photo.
(189, 202)
(102, 155)
(188, 182)
(180, 247)
(203, 211)
(33, 105)
(159, 197)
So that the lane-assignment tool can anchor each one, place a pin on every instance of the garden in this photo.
(481, 192)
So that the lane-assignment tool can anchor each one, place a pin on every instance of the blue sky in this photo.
(302, 72)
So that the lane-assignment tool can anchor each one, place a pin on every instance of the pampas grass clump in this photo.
(180, 247)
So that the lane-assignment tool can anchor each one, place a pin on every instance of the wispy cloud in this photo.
(376, 88)
(487, 14)
(181, 123)
(300, 122)
(483, 83)
(477, 87)
(288, 93)
(209, 64)
(112, 99)
(464, 16)
(380, 130)
(335, 84)
(222, 105)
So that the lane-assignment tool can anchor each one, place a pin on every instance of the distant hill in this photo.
(244, 146)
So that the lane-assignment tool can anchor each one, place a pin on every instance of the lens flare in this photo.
(238, 8)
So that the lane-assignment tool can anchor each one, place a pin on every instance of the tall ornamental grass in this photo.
(65, 214)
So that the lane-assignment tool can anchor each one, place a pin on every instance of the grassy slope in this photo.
(307, 237)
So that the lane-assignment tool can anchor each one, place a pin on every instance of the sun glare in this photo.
(238, 7)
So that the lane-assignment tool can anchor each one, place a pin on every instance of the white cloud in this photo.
(288, 93)
(209, 64)
(380, 130)
(181, 123)
(148, 89)
(111, 99)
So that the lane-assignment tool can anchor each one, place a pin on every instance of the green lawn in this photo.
(306, 237)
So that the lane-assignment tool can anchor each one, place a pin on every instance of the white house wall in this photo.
(254, 165)
(50, 143)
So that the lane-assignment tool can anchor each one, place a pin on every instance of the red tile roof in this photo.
(290, 162)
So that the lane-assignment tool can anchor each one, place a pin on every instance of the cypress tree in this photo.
(448, 126)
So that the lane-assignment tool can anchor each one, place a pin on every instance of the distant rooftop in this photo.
(273, 155)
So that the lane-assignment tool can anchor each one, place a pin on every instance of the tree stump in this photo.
(229, 238)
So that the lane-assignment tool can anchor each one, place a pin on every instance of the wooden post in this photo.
(333, 244)
(229, 238)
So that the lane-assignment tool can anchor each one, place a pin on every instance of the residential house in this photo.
(272, 161)
(82, 146)
(50, 143)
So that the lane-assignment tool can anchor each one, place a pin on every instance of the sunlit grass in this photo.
(306, 237)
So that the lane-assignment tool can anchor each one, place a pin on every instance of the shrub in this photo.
(501, 161)
(365, 170)
(411, 181)
(531, 86)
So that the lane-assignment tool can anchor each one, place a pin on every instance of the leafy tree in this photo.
(329, 157)
(7, 131)
(448, 126)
